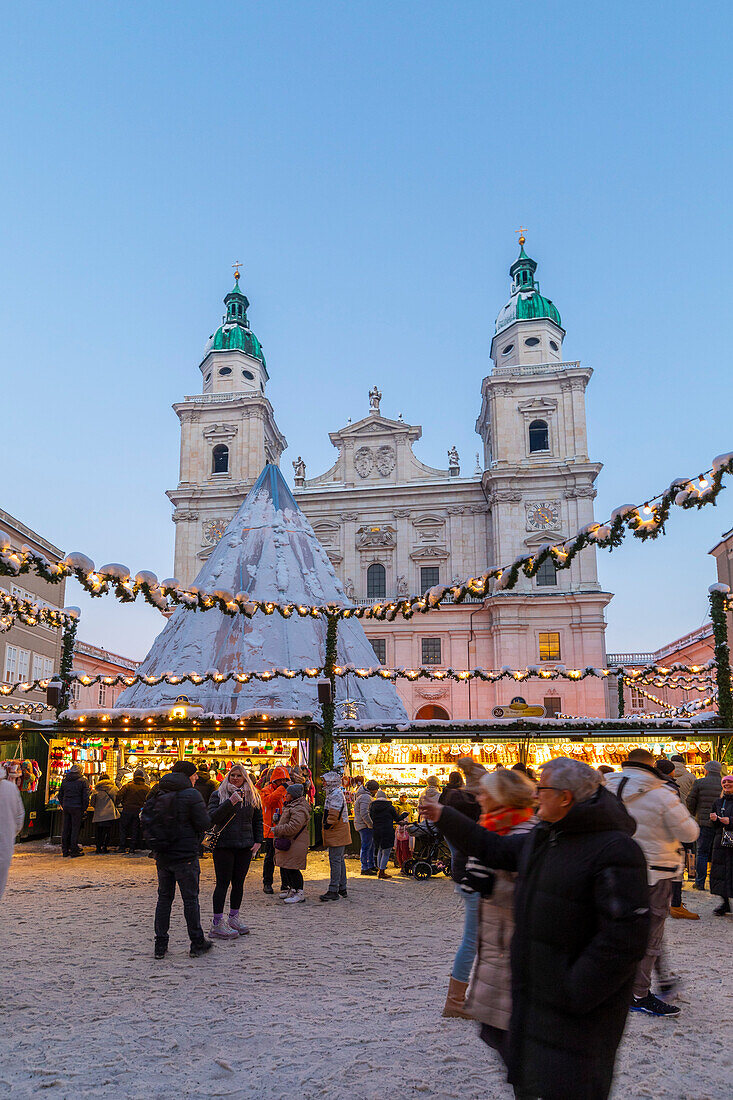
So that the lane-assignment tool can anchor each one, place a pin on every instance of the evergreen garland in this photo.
(722, 654)
(621, 701)
(329, 709)
(67, 662)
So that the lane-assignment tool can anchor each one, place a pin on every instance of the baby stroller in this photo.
(431, 854)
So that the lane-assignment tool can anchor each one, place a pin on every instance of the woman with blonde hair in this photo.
(235, 810)
(507, 800)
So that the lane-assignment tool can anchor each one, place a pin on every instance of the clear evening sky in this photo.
(369, 164)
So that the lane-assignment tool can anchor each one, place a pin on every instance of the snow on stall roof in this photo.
(156, 712)
(270, 551)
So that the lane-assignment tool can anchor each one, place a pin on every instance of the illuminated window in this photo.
(431, 651)
(379, 645)
(549, 646)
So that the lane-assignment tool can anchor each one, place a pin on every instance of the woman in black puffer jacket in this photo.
(236, 811)
(384, 818)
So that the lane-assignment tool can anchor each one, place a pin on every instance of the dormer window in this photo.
(224, 371)
(507, 349)
(554, 346)
(220, 459)
(248, 375)
(539, 436)
(532, 341)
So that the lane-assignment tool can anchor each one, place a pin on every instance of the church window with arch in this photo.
(539, 436)
(220, 459)
(376, 581)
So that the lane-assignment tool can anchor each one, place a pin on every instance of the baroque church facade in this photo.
(393, 526)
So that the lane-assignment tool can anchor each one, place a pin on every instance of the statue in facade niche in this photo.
(299, 470)
(374, 398)
(403, 588)
(349, 589)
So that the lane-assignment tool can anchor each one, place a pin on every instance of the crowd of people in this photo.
(566, 880)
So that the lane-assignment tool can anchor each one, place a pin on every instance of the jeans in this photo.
(129, 835)
(463, 962)
(268, 863)
(383, 858)
(70, 831)
(703, 852)
(659, 897)
(230, 867)
(367, 849)
(337, 863)
(102, 829)
(186, 874)
(292, 879)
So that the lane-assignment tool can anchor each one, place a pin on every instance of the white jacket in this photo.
(12, 816)
(662, 822)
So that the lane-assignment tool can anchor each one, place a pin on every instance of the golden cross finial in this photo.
(236, 267)
(520, 231)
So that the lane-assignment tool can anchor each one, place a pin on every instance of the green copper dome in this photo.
(526, 302)
(234, 334)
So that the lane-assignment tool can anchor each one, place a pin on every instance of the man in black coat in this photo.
(581, 926)
(174, 819)
(73, 799)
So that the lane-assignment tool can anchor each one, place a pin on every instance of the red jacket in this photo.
(273, 799)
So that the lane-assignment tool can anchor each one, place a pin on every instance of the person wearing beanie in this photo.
(292, 840)
(364, 825)
(204, 784)
(662, 826)
(431, 793)
(105, 810)
(272, 785)
(174, 820)
(336, 834)
(682, 776)
(677, 909)
(130, 800)
(73, 799)
(703, 793)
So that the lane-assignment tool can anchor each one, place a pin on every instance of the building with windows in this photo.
(29, 652)
(393, 526)
(95, 661)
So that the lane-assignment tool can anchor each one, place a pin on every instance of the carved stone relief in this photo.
(385, 460)
(371, 537)
(363, 461)
(183, 515)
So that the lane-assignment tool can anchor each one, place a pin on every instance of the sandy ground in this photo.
(320, 1001)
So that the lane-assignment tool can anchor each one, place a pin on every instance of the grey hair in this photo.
(572, 775)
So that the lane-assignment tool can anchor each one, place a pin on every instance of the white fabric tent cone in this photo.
(270, 551)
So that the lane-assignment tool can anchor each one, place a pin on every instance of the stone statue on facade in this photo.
(403, 588)
(454, 462)
(299, 470)
(349, 589)
(374, 398)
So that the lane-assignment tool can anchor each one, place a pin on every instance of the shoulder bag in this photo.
(282, 843)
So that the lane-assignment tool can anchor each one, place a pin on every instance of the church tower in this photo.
(228, 433)
(539, 482)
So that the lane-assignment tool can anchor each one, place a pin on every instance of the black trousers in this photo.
(70, 831)
(292, 880)
(130, 830)
(268, 863)
(184, 873)
(102, 829)
(230, 867)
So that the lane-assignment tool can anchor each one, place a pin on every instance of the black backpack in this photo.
(159, 820)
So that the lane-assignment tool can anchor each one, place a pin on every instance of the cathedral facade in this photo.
(393, 526)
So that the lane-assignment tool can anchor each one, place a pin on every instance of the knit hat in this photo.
(677, 758)
(713, 766)
(203, 769)
(186, 767)
(139, 773)
(665, 767)
(295, 790)
(371, 785)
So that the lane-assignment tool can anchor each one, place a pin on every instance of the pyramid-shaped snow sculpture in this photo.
(270, 551)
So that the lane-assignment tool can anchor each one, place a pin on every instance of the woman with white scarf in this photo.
(235, 810)
(336, 834)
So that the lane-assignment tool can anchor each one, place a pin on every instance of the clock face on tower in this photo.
(543, 515)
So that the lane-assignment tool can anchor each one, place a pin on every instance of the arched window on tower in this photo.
(376, 581)
(220, 459)
(539, 436)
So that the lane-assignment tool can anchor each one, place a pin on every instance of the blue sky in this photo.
(368, 164)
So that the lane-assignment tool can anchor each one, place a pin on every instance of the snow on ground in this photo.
(321, 1001)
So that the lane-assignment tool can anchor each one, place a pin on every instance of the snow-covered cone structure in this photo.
(270, 551)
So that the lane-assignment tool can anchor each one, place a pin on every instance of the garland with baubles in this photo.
(644, 521)
(13, 608)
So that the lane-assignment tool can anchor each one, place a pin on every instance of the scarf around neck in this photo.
(505, 819)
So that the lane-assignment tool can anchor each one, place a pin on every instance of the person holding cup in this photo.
(235, 810)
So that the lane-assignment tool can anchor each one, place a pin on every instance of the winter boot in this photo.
(383, 874)
(721, 910)
(199, 949)
(455, 1000)
(344, 893)
(285, 893)
(221, 930)
(330, 895)
(267, 889)
(236, 922)
(680, 913)
(295, 896)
